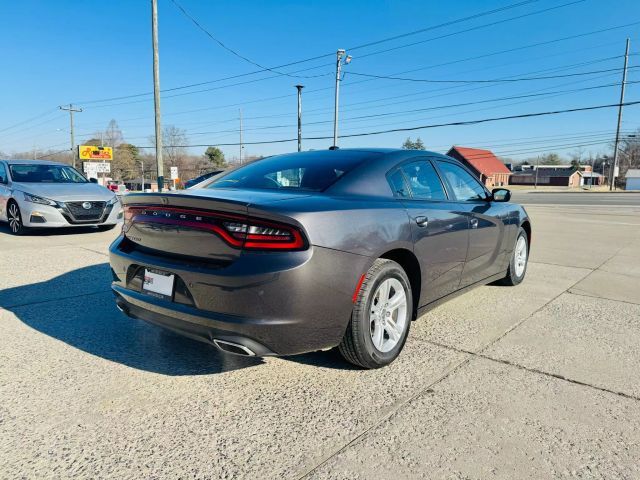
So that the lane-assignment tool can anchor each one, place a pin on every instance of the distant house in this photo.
(487, 167)
(592, 178)
(556, 175)
(633, 179)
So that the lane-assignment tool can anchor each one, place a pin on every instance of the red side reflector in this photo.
(358, 287)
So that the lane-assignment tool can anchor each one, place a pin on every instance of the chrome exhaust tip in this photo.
(234, 348)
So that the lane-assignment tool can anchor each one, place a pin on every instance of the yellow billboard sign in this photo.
(93, 152)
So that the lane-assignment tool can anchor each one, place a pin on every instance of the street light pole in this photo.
(156, 93)
(299, 87)
(339, 54)
(142, 169)
(615, 148)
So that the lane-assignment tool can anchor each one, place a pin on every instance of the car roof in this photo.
(34, 162)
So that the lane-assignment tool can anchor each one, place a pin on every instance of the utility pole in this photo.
(241, 147)
(70, 109)
(615, 148)
(299, 87)
(537, 167)
(156, 92)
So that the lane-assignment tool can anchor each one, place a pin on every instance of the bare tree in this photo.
(113, 135)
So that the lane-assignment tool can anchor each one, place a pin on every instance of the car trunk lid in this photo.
(211, 225)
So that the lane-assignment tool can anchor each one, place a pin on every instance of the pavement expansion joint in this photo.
(581, 294)
(534, 370)
(39, 302)
(95, 251)
(428, 389)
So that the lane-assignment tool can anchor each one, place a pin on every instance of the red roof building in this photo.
(487, 167)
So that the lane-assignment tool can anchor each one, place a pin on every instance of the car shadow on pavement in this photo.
(78, 309)
(46, 232)
(330, 359)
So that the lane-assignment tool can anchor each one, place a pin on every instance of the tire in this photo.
(519, 261)
(14, 218)
(106, 228)
(376, 334)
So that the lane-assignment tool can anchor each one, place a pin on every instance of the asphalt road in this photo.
(535, 381)
(576, 198)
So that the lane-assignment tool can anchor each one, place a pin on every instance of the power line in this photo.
(403, 112)
(471, 29)
(51, 154)
(231, 50)
(422, 127)
(548, 42)
(29, 120)
(274, 69)
(446, 24)
(564, 67)
(441, 107)
(493, 80)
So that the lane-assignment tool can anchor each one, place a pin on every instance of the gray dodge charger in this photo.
(309, 251)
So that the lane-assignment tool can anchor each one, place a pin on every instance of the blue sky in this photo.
(70, 51)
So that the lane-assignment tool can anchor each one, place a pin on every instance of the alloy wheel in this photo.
(520, 255)
(15, 222)
(388, 315)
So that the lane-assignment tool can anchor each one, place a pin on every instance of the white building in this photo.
(633, 179)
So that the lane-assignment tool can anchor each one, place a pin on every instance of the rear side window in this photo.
(311, 172)
(465, 187)
(424, 181)
(398, 185)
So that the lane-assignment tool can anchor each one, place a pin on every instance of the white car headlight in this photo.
(113, 201)
(36, 199)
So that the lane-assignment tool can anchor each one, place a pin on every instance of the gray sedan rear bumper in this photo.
(277, 303)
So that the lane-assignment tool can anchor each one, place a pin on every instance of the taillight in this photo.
(265, 236)
(237, 231)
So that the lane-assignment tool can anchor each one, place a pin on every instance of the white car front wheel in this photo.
(15, 219)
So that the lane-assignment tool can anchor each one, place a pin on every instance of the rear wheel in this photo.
(381, 317)
(15, 219)
(519, 259)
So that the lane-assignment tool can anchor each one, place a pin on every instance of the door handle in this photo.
(474, 223)
(422, 221)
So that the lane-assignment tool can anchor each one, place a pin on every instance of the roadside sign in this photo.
(174, 173)
(104, 167)
(90, 169)
(93, 152)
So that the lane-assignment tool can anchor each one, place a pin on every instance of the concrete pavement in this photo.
(536, 381)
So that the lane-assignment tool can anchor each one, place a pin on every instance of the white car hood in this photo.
(66, 192)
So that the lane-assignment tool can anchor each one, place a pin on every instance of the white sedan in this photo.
(50, 195)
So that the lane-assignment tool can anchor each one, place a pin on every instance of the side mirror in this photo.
(500, 195)
(2, 180)
(93, 180)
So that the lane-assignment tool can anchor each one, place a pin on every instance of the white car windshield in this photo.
(36, 173)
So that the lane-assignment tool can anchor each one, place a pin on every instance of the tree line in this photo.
(130, 162)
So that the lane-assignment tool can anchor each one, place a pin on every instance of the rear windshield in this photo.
(23, 173)
(307, 171)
